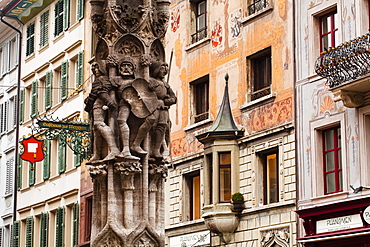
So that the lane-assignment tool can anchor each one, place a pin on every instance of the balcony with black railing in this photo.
(257, 6)
(347, 69)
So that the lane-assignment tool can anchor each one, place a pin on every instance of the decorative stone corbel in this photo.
(221, 220)
(350, 99)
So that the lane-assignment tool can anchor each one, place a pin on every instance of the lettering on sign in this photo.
(193, 239)
(339, 223)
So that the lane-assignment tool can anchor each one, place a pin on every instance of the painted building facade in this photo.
(332, 122)
(52, 79)
(8, 96)
(252, 42)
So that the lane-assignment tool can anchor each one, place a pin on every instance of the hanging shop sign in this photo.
(32, 149)
(65, 126)
(339, 223)
(366, 214)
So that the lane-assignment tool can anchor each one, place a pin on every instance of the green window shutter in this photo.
(59, 228)
(31, 173)
(46, 162)
(21, 106)
(16, 233)
(44, 29)
(19, 173)
(34, 100)
(77, 160)
(58, 11)
(66, 14)
(76, 213)
(80, 9)
(64, 80)
(44, 229)
(62, 154)
(80, 69)
(29, 231)
(30, 42)
(48, 89)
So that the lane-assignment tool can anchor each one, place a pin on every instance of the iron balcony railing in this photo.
(345, 62)
(257, 6)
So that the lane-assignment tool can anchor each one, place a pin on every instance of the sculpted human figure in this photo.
(97, 104)
(166, 97)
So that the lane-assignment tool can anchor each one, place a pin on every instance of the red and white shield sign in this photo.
(32, 151)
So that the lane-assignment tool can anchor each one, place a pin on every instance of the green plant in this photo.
(237, 197)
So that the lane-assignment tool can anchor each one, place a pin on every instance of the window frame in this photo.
(44, 29)
(226, 167)
(338, 171)
(262, 87)
(267, 198)
(331, 31)
(30, 39)
(200, 32)
(192, 203)
(254, 10)
(58, 18)
(200, 93)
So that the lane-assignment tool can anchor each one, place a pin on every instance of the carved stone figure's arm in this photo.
(171, 98)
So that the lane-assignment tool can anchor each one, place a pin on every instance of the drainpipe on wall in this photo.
(2, 14)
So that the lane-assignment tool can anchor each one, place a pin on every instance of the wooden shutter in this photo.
(15, 112)
(62, 154)
(21, 106)
(46, 162)
(19, 173)
(59, 228)
(9, 176)
(80, 68)
(30, 39)
(44, 229)
(64, 80)
(1, 236)
(31, 173)
(34, 100)
(80, 9)
(58, 11)
(5, 58)
(5, 115)
(48, 90)
(44, 29)
(65, 14)
(29, 231)
(16, 233)
(76, 213)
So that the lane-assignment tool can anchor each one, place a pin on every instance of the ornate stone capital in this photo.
(98, 170)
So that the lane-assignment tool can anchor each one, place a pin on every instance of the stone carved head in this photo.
(96, 70)
(158, 69)
(127, 67)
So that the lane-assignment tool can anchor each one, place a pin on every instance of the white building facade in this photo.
(332, 122)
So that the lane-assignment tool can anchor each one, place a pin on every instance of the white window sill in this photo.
(257, 101)
(198, 44)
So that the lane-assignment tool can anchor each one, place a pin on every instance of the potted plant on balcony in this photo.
(238, 202)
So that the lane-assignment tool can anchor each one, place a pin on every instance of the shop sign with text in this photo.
(339, 223)
(202, 238)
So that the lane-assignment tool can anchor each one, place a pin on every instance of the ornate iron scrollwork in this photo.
(345, 62)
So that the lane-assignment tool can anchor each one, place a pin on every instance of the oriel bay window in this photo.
(225, 176)
(332, 159)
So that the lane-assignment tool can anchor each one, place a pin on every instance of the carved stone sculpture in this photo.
(128, 105)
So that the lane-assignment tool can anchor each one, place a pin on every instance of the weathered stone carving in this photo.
(278, 236)
(128, 105)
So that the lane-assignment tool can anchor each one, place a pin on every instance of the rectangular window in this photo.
(21, 106)
(44, 29)
(209, 158)
(9, 176)
(13, 52)
(19, 173)
(46, 161)
(193, 190)
(87, 219)
(261, 74)
(30, 43)
(4, 117)
(332, 158)
(225, 176)
(2, 61)
(58, 11)
(257, 5)
(200, 21)
(75, 223)
(48, 90)
(201, 99)
(328, 30)
(80, 69)
(270, 178)
(31, 173)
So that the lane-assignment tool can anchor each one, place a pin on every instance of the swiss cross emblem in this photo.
(32, 150)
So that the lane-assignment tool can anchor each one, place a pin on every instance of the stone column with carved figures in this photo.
(128, 197)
